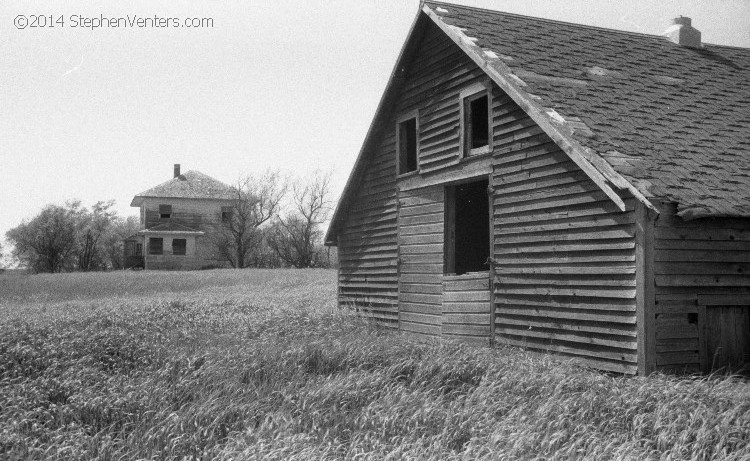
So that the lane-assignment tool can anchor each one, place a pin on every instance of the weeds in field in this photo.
(262, 365)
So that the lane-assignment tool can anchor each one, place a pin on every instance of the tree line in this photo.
(272, 222)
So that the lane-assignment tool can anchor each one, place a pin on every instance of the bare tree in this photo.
(47, 243)
(92, 227)
(256, 202)
(113, 244)
(296, 237)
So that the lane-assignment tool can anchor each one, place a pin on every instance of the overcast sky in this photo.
(103, 114)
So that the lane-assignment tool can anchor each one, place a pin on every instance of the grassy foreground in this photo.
(262, 365)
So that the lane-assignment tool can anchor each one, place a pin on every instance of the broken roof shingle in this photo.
(675, 111)
(192, 184)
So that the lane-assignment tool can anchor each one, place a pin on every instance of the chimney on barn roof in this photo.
(682, 33)
(176, 170)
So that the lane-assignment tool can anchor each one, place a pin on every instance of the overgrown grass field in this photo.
(259, 364)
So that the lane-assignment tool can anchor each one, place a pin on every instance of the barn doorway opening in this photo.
(467, 222)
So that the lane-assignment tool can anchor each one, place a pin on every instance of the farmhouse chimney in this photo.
(176, 170)
(682, 33)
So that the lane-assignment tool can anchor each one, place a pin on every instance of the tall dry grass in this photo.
(262, 365)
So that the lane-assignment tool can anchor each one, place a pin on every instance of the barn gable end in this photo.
(587, 256)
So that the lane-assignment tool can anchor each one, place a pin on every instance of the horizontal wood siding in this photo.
(565, 255)
(466, 307)
(420, 239)
(433, 81)
(698, 264)
(367, 242)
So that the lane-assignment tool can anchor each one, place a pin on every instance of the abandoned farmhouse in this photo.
(559, 187)
(178, 220)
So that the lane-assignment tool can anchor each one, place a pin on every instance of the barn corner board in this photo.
(511, 191)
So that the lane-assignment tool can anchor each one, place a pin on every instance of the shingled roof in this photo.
(192, 184)
(673, 121)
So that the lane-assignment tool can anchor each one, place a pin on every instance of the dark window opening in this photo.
(129, 248)
(155, 245)
(477, 129)
(467, 228)
(165, 211)
(138, 249)
(179, 247)
(407, 140)
(226, 213)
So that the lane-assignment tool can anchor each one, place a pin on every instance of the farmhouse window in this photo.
(408, 143)
(179, 247)
(165, 211)
(467, 228)
(138, 249)
(155, 245)
(226, 213)
(476, 120)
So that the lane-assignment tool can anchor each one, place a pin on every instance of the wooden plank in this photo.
(413, 317)
(567, 291)
(420, 308)
(468, 330)
(420, 328)
(566, 314)
(597, 304)
(626, 360)
(724, 299)
(467, 296)
(569, 325)
(464, 318)
(703, 280)
(465, 307)
(570, 337)
(712, 233)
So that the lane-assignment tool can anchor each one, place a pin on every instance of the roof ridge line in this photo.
(557, 21)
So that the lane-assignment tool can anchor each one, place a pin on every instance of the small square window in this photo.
(155, 245)
(165, 211)
(407, 145)
(179, 247)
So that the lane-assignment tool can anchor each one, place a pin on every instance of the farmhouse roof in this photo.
(192, 184)
(634, 111)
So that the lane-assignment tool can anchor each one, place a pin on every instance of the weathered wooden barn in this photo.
(560, 187)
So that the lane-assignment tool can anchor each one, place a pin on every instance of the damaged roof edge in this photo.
(590, 162)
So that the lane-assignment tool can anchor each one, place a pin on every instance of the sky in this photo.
(104, 113)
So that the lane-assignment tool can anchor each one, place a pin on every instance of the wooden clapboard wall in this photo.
(421, 215)
(466, 307)
(367, 245)
(565, 255)
(368, 275)
(702, 285)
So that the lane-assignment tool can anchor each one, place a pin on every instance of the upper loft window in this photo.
(476, 120)
(165, 211)
(408, 143)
